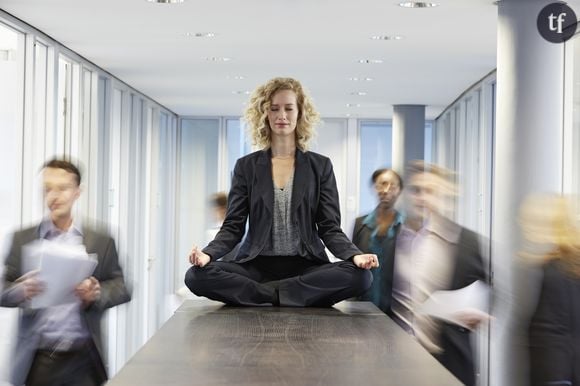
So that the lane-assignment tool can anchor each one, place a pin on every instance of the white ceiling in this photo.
(445, 49)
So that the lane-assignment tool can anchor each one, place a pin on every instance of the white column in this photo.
(408, 134)
(527, 158)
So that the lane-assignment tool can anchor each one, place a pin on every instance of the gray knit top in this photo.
(284, 239)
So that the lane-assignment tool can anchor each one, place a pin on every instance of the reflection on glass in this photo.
(11, 104)
(11, 87)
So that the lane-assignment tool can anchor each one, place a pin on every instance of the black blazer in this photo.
(457, 354)
(315, 209)
(113, 292)
(555, 329)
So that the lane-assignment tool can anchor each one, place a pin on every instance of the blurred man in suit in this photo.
(433, 253)
(61, 345)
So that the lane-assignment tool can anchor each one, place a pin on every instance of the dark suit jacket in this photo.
(315, 209)
(113, 292)
(457, 354)
(555, 329)
(361, 237)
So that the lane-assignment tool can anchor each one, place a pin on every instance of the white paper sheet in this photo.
(61, 268)
(447, 305)
(31, 255)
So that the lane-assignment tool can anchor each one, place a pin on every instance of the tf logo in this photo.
(557, 22)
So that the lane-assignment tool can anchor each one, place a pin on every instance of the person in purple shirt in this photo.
(61, 344)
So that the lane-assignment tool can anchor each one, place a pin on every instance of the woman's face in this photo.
(388, 188)
(283, 113)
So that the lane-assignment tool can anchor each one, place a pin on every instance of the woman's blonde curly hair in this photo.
(549, 219)
(256, 115)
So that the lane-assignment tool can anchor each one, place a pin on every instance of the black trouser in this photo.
(298, 282)
(68, 368)
(457, 356)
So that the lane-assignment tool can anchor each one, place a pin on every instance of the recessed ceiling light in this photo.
(386, 37)
(370, 61)
(200, 34)
(417, 4)
(236, 77)
(217, 59)
(353, 105)
(239, 92)
(358, 93)
(166, 1)
(361, 79)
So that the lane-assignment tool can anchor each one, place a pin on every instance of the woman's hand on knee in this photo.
(366, 261)
(197, 257)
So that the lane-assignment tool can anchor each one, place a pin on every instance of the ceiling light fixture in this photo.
(239, 92)
(386, 37)
(417, 4)
(200, 34)
(166, 1)
(353, 105)
(236, 77)
(358, 93)
(361, 79)
(370, 61)
(217, 59)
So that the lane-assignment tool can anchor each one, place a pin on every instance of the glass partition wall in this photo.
(55, 103)
(12, 45)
